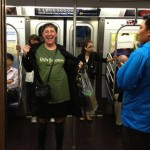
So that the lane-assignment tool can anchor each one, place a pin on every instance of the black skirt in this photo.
(51, 110)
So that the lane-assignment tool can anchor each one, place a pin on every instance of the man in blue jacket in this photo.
(134, 79)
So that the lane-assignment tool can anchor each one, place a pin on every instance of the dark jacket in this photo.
(118, 90)
(92, 68)
(70, 66)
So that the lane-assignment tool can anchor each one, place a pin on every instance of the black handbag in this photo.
(93, 66)
(42, 91)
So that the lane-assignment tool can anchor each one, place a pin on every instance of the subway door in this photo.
(36, 26)
(85, 30)
(15, 35)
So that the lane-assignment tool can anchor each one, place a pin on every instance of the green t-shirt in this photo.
(58, 79)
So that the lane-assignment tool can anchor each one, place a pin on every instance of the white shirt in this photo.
(12, 74)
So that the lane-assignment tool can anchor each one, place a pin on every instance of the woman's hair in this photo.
(87, 42)
(10, 56)
(49, 25)
(34, 37)
(147, 21)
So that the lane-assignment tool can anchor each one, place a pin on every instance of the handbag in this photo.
(85, 87)
(42, 90)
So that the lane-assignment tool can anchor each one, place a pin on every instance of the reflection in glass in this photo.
(11, 44)
(83, 33)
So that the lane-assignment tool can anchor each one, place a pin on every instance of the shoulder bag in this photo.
(42, 90)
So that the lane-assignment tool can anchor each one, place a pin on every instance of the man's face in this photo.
(143, 33)
(9, 62)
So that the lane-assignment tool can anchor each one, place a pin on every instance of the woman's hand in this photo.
(9, 81)
(80, 65)
(18, 48)
(115, 58)
(112, 59)
(26, 49)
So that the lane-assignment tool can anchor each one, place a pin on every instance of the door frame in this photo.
(2, 75)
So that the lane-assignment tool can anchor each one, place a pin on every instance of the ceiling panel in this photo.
(82, 3)
(123, 0)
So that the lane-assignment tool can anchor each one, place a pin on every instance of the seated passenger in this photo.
(12, 80)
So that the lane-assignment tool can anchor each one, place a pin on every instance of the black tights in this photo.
(42, 128)
(59, 132)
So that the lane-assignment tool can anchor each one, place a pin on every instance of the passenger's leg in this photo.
(135, 140)
(88, 109)
(42, 128)
(118, 106)
(59, 132)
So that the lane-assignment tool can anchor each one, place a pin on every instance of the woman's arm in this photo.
(26, 59)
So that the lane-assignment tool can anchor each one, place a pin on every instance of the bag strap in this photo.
(51, 66)
(36, 69)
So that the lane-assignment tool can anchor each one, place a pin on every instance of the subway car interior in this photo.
(112, 25)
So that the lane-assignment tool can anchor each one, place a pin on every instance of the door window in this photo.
(83, 33)
(11, 43)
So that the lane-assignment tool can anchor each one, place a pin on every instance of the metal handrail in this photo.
(109, 76)
(19, 57)
(114, 63)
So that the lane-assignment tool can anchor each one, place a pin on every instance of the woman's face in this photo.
(33, 42)
(143, 33)
(89, 47)
(49, 34)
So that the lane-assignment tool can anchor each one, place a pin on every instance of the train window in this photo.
(83, 33)
(11, 10)
(40, 32)
(125, 41)
(11, 43)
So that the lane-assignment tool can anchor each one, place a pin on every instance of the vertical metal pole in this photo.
(2, 74)
(74, 49)
(136, 14)
(74, 27)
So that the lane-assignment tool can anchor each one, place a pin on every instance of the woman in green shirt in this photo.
(62, 82)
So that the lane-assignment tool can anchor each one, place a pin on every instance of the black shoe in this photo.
(118, 129)
(89, 118)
